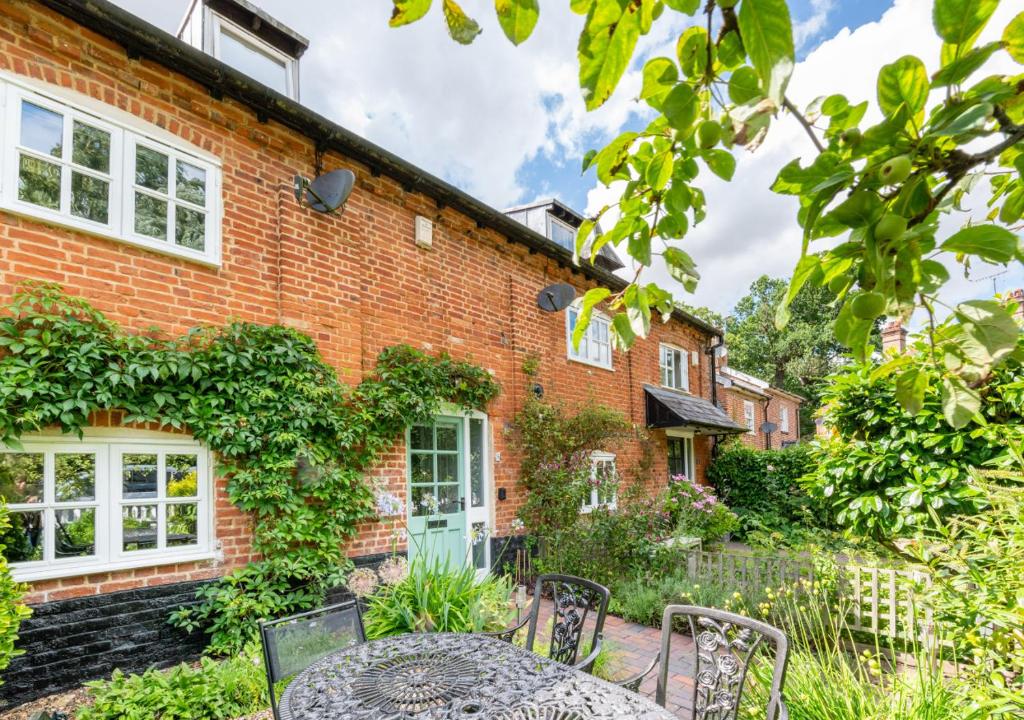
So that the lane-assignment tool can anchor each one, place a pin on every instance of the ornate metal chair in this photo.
(573, 598)
(293, 643)
(724, 644)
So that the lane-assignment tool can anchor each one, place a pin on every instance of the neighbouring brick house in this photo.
(142, 173)
(770, 415)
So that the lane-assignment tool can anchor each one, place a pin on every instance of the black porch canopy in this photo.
(668, 409)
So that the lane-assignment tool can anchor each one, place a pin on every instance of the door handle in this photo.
(462, 504)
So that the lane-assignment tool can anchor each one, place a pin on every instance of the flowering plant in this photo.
(697, 511)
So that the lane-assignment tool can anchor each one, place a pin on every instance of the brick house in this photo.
(770, 415)
(157, 181)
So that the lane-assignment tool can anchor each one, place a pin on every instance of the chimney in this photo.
(894, 337)
(1017, 296)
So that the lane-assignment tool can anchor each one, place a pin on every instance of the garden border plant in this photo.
(292, 439)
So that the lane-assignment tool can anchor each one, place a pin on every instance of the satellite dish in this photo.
(556, 297)
(327, 193)
(769, 427)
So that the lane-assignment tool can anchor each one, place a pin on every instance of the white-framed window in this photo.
(784, 419)
(748, 415)
(561, 232)
(248, 54)
(68, 165)
(604, 481)
(595, 345)
(78, 507)
(674, 371)
(680, 456)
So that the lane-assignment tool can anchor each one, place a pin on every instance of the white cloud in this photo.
(811, 27)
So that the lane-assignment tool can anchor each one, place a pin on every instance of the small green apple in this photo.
(896, 170)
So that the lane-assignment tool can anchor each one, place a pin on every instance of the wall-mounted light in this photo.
(502, 494)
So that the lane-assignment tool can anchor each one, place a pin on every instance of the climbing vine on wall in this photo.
(293, 440)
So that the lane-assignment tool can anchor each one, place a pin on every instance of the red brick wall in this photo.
(732, 399)
(356, 283)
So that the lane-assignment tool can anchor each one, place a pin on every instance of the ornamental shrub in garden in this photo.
(12, 610)
(696, 511)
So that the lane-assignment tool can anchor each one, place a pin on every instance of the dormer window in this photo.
(562, 233)
(240, 35)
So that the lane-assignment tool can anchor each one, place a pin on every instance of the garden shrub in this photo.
(436, 597)
(12, 609)
(697, 512)
(213, 691)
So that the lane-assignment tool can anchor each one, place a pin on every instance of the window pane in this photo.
(254, 63)
(182, 521)
(138, 476)
(189, 228)
(39, 182)
(423, 500)
(24, 539)
(422, 470)
(448, 499)
(76, 533)
(182, 474)
(421, 437)
(447, 468)
(90, 198)
(563, 235)
(476, 462)
(447, 437)
(679, 367)
(138, 527)
(150, 216)
(42, 129)
(479, 540)
(21, 477)
(90, 147)
(190, 183)
(75, 475)
(151, 169)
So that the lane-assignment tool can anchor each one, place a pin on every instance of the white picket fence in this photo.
(885, 602)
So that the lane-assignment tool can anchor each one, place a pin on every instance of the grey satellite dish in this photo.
(556, 297)
(769, 427)
(327, 193)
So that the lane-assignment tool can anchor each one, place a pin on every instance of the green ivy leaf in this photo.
(517, 18)
(407, 11)
(605, 48)
(959, 403)
(768, 38)
(1013, 38)
(461, 27)
(904, 82)
(989, 242)
(958, 22)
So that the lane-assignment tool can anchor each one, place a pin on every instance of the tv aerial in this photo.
(326, 193)
(556, 297)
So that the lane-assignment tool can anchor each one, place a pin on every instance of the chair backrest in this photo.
(724, 645)
(293, 643)
(573, 598)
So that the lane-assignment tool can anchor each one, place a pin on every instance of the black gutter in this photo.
(142, 40)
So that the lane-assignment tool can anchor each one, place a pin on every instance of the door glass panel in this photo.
(447, 437)
(476, 462)
(138, 476)
(423, 501)
(75, 476)
(76, 532)
(479, 539)
(448, 499)
(21, 477)
(421, 437)
(138, 527)
(42, 129)
(422, 470)
(447, 468)
(181, 473)
(181, 525)
(24, 539)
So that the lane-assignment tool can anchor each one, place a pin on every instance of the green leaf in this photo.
(681, 267)
(639, 244)
(721, 162)
(692, 49)
(461, 27)
(517, 18)
(990, 331)
(911, 386)
(660, 76)
(768, 37)
(623, 330)
(853, 332)
(958, 22)
(989, 242)
(407, 11)
(959, 403)
(744, 85)
(684, 6)
(904, 82)
(591, 298)
(605, 48)
(973, 118)
(1013, 38)
(582, 235)
(680, 107)
(659, 170)
(964, 66)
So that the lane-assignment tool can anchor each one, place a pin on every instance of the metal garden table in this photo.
(448, 676)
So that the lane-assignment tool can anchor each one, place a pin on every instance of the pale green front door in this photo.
(437, 508)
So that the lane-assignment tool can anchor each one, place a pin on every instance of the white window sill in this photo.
(591, 363)
(675, 389)
(93, 567)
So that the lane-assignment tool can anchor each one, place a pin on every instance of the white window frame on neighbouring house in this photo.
(126, 133)
(599, 458)
(110, 504)
(749, 415)
(784, 419)
(553, 223)
(673, 364)
(595, 345)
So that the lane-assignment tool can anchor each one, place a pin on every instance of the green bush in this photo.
(212, 691)
(12, 610)
(436, 597)
(697, 512)
(762, 488)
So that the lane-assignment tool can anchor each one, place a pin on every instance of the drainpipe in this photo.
(767, 435)
(710, 351)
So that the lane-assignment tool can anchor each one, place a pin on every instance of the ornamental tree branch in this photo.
(803, 121)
